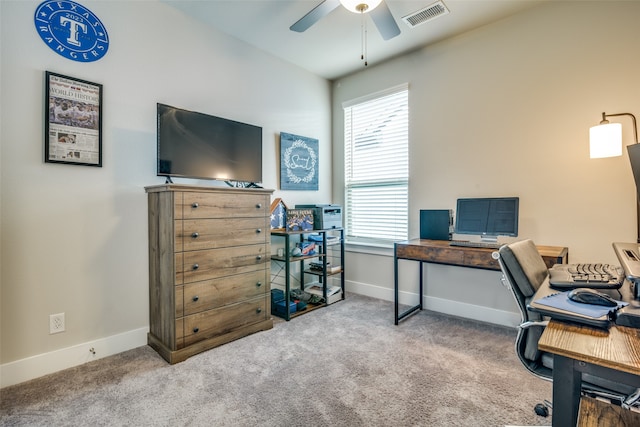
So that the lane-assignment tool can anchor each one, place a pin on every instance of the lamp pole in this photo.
(635, 140)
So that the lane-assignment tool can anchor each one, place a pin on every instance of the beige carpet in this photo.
(345, 365)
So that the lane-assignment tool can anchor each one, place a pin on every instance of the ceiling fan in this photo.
(378, 9)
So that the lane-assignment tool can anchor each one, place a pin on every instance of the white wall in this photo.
(74, 238)
(501, 110)
(505, 110)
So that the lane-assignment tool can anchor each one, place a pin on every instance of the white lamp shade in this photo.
(352, 5)
(605, 140)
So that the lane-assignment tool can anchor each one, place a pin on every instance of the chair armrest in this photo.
(529, 324)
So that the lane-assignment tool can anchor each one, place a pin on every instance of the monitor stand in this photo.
(489, 239)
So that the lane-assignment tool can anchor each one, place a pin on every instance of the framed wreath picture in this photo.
(73, 121)
(298, 162)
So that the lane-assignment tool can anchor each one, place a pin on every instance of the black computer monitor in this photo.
(488, 217)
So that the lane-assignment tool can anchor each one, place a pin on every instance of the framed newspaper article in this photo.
(73, 121)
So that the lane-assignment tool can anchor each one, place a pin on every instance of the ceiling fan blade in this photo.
(385, 22)
(318, 12)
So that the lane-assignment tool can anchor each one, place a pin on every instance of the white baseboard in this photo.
(47, 363)
(454, 308)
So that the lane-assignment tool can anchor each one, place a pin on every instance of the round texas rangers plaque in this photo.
(71, 30)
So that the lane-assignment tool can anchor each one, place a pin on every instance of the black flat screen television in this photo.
(200, 146)
(487, 217)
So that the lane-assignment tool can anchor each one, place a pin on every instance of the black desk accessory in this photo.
(594, 276)
(592, 297)
(435, 224)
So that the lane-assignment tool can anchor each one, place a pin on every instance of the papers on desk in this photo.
(563, 308)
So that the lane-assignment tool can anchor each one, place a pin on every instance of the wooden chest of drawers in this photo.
(208, 267)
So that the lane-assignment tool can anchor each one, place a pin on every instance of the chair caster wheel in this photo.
(541, 410)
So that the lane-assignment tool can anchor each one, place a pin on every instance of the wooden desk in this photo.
(440, 252)
(612, 354)
(596, 413)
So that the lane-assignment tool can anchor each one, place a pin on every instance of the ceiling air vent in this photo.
(427, 14)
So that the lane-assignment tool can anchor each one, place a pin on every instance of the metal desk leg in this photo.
(567, 382)
(395, 284)
(396, 292)
(420, 294)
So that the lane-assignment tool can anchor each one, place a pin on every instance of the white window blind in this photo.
(377, 167)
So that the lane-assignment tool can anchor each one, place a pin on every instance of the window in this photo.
(376, 139)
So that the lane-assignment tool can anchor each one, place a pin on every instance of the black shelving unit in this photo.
(323, 255)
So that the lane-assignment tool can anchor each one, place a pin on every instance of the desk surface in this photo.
(612, 354)
(617, 348)
(440, 252)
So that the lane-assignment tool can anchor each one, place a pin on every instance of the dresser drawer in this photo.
(208, 264)
(193, 205)
(208, 294)
(197, 234)
(223, 320)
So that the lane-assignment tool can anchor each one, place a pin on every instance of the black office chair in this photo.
(523, 272)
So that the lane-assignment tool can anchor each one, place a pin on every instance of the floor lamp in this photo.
(605, 140)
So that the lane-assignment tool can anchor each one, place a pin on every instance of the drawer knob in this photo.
(259, 284)
(195, 298)
(195, 205)
(195, 266)
(259, 257)
(195, 330)
(259, 206)
(195, 235)
(259, 230)
(258, 310)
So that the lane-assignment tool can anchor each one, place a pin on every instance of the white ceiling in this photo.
(331, 48)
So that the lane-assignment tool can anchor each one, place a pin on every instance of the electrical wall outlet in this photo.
(56, 323)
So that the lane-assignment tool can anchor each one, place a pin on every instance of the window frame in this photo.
(400, 219)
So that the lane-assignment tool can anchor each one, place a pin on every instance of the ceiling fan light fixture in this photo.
(360, 6)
